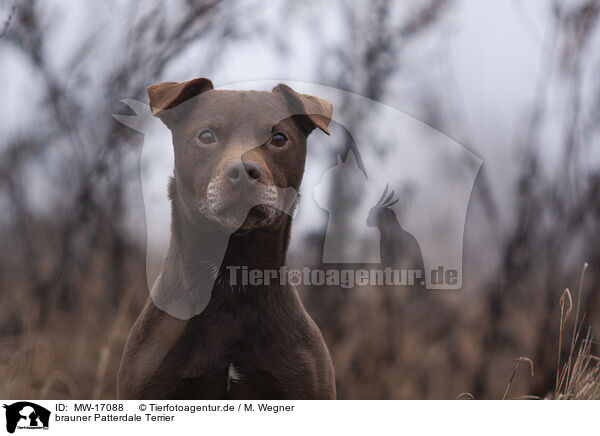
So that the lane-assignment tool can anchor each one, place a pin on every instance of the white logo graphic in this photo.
(430, 174)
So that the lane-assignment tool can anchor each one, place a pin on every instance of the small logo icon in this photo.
(26, 415)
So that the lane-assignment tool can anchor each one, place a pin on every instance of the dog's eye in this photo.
(278, 139)
(206, 137)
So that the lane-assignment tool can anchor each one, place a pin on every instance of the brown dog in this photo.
(238, 155)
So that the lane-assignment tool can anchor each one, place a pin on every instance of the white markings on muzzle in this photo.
(219, 196)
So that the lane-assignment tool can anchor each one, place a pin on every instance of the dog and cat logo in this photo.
(408, 188)
(25, 415)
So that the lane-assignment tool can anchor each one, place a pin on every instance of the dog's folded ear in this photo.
(168, 95)
(317, 111)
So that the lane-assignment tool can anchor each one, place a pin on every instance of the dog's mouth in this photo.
(242, 211)
(259, 216)
(243, 215)
(240, 207)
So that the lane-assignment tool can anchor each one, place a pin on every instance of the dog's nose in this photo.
(244, 171)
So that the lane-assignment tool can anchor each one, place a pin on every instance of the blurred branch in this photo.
(91, 144)
(4, 26)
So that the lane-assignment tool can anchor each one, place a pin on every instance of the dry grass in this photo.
(578, 377)
(76, 356)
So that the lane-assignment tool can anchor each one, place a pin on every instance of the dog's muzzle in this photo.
(238, 190)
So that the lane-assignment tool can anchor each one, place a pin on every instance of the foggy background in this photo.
(514, 82)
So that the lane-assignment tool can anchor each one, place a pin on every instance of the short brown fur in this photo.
(263, 332)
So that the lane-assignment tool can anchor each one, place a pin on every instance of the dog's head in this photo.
(236, 152)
